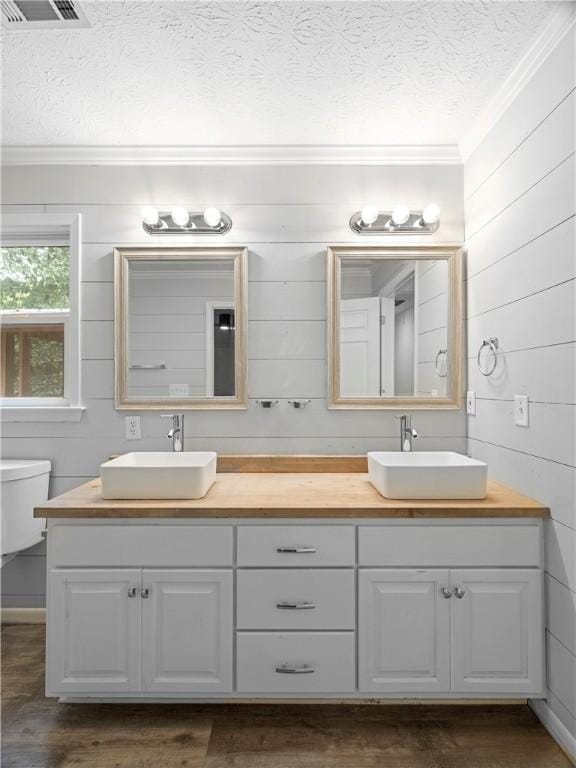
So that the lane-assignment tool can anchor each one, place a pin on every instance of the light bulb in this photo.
(180, 216)
(212, 217)
(400, 215)
(369, 214)
(150, 216)
(431, 214)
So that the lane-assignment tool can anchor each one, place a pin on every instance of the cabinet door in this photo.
(187, 630)
(497, 631)
(93, 633)
(403, 632)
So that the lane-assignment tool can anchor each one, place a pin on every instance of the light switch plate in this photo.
(132, 427)
(471, 403)
(521, 410)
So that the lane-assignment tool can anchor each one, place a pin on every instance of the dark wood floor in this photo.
(39, 732)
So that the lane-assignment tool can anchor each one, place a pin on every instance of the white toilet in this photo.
(23, 486)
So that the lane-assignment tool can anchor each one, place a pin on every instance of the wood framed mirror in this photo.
(394, 327)
(180, 327)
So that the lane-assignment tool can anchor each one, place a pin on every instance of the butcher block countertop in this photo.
(276, 492)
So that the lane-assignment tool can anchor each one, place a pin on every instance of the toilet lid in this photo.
(18, 469)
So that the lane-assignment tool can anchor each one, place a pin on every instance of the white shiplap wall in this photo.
(520, 208)
(286, 216)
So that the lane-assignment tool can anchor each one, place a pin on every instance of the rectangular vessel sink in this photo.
(186, 475)
(427, 475)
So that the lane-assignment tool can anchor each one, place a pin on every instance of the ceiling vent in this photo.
(42, 14)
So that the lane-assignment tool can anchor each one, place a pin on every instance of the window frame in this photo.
(42, 230)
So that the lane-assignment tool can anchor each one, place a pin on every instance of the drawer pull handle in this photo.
(295, 606)
(297, 550)
(290, 669)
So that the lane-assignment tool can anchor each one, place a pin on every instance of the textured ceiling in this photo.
(189, 73)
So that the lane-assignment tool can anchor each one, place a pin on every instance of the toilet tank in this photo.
(23, 486)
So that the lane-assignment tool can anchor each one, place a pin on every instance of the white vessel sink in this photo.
(186, 475)
(427, 475)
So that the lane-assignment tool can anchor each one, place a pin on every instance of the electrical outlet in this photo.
(132, 427)
(179, 390)
(521, 410)
(471, 403)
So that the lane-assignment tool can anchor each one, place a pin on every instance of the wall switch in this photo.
(521, 410)
(471, 403)
(132, 427)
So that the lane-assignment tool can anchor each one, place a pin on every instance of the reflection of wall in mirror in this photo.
(167, 324)
(432, 323)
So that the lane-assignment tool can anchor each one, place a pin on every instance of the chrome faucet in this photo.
(407, 433)
(176, 434)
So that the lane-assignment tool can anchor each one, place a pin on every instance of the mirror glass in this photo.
(394, 335)
(181, 331)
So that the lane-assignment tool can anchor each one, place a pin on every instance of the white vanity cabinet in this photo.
(147, 630)
(459, 631)
(200, 608)
(93, 636)
(496, 631)
(403, 631)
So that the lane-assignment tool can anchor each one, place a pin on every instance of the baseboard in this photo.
(555, 727)
(23, 615)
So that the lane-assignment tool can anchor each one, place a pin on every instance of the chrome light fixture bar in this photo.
(400, 221)
(179, 221)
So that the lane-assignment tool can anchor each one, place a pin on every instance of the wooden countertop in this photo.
(297, 495)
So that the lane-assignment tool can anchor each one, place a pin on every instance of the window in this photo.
(34, 301)
(39, 317)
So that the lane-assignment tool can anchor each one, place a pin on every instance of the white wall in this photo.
(167, 326)
(432, 323)
(287, 217)
(520, 207)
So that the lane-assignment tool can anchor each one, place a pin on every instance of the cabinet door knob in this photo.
(459, 592)
(446, 592)
(132, 591)
(290, 669)
(145, 592)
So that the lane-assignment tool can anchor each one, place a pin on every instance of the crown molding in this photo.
(560, 23)
(447, 154)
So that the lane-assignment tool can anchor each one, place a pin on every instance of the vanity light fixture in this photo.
(212, 217)
(180, 221)
(180, 216)
(400, 215)
(369, 214)
(400, 221)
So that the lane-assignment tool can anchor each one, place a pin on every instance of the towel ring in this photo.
(492, 345)
(437, 367)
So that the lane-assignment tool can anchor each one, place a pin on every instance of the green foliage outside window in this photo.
(34, 277)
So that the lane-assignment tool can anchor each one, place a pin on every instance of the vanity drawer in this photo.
(295, 546)
(296, 662)
(296, 599)
(191, 546)
(449, 545)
